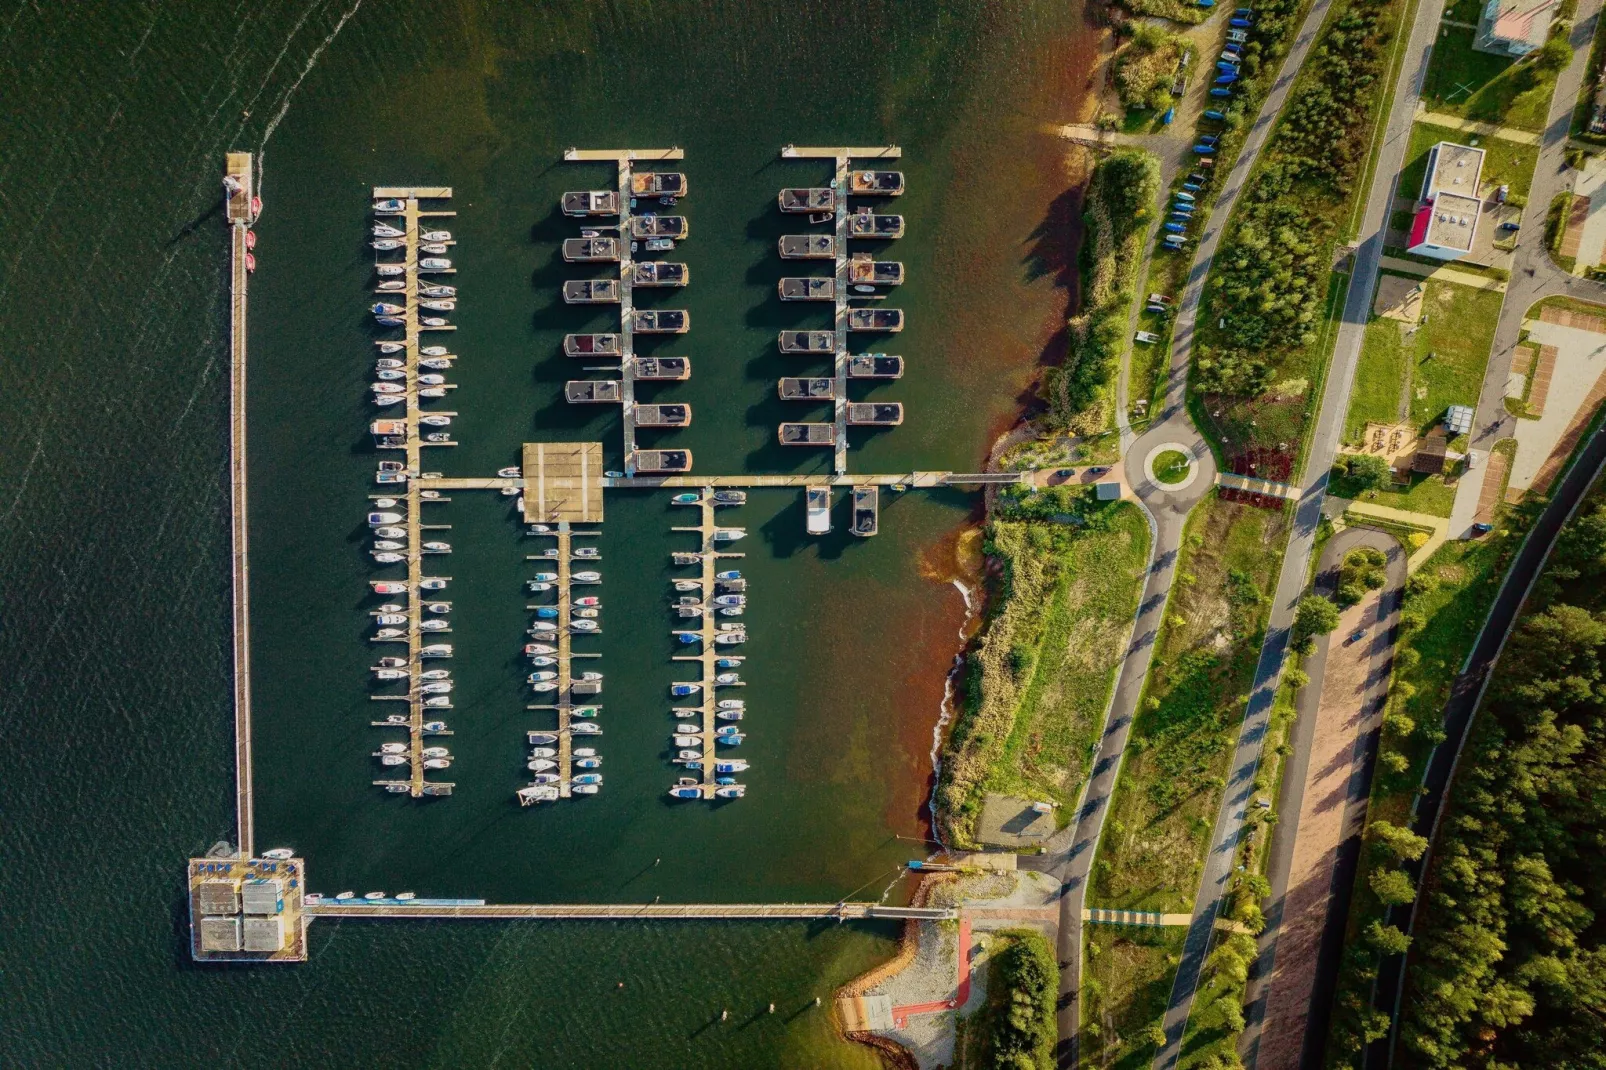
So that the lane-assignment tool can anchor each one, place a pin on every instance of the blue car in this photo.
(1216, 115)
(1176, 228)
(1220, 91)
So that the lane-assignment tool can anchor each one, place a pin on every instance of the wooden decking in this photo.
(238, 197)
(844, 911)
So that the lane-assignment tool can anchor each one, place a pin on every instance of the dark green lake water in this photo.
(114, 610)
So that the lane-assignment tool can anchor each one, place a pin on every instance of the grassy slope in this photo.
(1041, 675)
(1090, 608)
(1171, 781)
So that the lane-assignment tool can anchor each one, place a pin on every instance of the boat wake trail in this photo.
(945, 713)
(284, 102)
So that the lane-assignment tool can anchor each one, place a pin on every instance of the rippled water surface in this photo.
(114, 592)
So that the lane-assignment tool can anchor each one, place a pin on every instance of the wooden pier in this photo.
(708, 654)
(843, 911)
(239, 203)
(624, 160)
(413, 330)
(907, 480)
(842, 157)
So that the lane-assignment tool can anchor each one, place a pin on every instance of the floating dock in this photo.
(245, 909)
(624, 161)
(840, 281)
(564, 698)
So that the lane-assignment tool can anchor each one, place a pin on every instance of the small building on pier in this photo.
(807, 434)
(817, 389)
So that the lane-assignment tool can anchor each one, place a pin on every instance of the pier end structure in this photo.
(246, 909)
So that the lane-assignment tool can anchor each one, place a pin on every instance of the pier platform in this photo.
(563, 482)
(240, 202)
(844, 911)
(246, 909)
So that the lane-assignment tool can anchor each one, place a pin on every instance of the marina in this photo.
(831, 205)
(559, 488)
(646, 232)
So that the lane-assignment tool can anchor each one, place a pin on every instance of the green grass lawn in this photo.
(1504, 162)
(1170, 787)
(1464, 11)
(1379, 378)
(1452, 349)
(1126, 983)
(1489, 89)
(1424, 494)
(1172, 467)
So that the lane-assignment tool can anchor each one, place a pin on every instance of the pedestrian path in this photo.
(1443, 274)
(1469, 126)
(1437, 527)
(1252, 485)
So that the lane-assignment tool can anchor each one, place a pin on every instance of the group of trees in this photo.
(1116, 213)
(1509, 967)
(1024, 981)
(1270, 279)
(1363, 569)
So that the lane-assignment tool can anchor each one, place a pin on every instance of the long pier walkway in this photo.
(625, 159)
(411, 216)
(842, 157)
(844, 911)
(709, 654)
(239, 197)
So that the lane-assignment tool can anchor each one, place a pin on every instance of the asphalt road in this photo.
(1325, 435)
(1465, 695)
(1291, 799)
(1534, 275)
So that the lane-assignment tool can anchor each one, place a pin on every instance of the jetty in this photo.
(411, 497)
(709, 557)
(565, 697)
(841, 911)
(842, 186)
(632, 225)
(241, 205)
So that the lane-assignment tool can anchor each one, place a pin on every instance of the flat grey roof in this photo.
(1454, 219)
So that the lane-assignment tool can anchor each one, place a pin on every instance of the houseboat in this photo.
(875, 319)
(662, 462)
(668, 321)
(875, 366)
(658, 226)
(807, 434)
(875, 183)
(657, 184)
(659, 273)
(591, 391)
(807, 289)
(867, 224)
(663, 367)
(875, 413)
(807, 246)
(673, 415)
(591, 292)
(591, 202)
(591, 345)
(866, 511)
(804, 201)
(820, 389)
(808, 342)
(863, 271)
(590, 250)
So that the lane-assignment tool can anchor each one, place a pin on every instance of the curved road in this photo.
(1279, 1029)
(1534, 275)
(1326, 432)
(1070, 854)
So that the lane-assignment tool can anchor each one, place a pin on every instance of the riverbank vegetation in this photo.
(1263, 337)
(1146, 68)
(1165, 803)
(1117, 210)
(1184, 11)
(1068, 573)
(1509, 965)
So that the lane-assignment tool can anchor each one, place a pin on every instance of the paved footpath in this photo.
(1533, 274)
(1325, 434)
(1316, 843)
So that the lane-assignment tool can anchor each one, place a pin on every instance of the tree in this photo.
(1553, 56)
(1315, 616)
(1367, 470)
(1392, 886)
(1394, 842)
(1387, 939)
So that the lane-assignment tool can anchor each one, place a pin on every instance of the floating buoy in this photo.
(250, 239)
(256, 207)
(250, 262)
